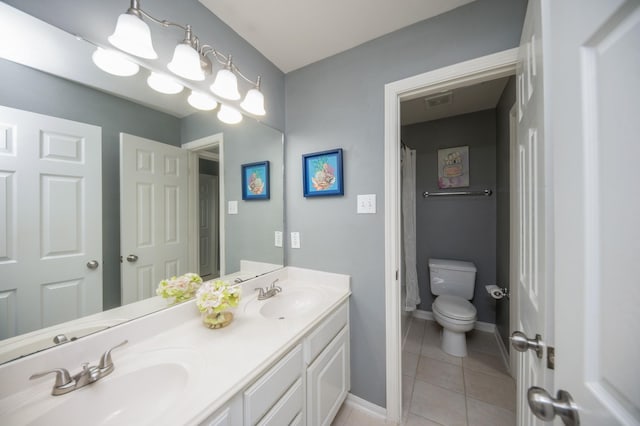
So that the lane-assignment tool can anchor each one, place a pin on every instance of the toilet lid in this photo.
(455, 307)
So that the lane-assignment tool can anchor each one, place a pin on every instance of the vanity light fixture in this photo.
(164, 84)
(202, 101)
(229, 115)
(191, 60)
(114, 63)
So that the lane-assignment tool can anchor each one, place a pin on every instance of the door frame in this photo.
(198, 149)
(473, 71)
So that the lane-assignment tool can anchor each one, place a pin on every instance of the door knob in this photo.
(521, 343)
(545, 407)
(132, 258)
(93, 264)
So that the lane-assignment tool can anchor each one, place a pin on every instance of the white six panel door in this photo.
(153, 206)
(50, 221)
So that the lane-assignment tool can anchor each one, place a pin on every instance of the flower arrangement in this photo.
(213, 299)
(180, 288)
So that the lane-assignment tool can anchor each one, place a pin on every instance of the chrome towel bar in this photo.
(486, 193)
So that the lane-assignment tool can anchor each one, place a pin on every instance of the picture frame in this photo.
(453, 167)
(322, 173)
(255, 181)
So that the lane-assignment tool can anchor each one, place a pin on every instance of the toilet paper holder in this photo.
(498, 292)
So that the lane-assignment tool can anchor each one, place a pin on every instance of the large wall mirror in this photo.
(113, 220)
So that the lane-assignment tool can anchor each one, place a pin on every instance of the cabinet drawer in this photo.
(286, 410)
(262, 395)
(325, 332)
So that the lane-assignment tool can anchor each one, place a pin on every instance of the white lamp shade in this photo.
(186, 63)
(133, 36)
(114, 63)
(229, 115)
(226, 85)
(254, 102)
(202, 101)
(164, 84)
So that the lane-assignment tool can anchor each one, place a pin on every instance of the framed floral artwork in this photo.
(255, 181)
(453, 167)
(322, 173)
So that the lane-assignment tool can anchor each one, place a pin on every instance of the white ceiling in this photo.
(292, 34)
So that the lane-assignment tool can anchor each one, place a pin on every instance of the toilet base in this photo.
(454, 343)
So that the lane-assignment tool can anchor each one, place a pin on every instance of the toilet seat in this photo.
(455, 307)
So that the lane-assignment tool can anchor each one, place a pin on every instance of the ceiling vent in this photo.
(438, 99)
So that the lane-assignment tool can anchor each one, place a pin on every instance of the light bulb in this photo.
(186, 63)
(114, 63)
(229, 115)
(132, 35)
(226, 85)
(164, 84)
(201, 101)
(254, 102)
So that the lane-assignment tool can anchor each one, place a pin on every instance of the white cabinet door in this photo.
(50, 221)
(328, 381)
(229, 414)
(153, 218)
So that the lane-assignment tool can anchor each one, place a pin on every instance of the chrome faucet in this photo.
(65, 383)
(269, 291)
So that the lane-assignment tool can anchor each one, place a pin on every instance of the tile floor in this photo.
(440, 389)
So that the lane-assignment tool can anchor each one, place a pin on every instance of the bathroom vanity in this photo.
(283, 360)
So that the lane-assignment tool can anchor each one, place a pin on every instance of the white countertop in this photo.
(220, 362)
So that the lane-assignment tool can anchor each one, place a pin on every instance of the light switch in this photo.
(295, 240)
(367, 204)
(232, 207)
(278, 239)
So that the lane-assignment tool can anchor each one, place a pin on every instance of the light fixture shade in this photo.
(201, 101)
(253, 102)
(229, 115)
(226, 85)
(186, 63)
(132, 35)
(114, 63)
(164, 84)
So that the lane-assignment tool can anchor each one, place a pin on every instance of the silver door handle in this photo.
(93, 264)
(545, 407)
(521, 343)
(132, 258)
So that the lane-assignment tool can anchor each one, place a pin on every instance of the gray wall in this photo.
(95, 20)
(27, 89)
(505, 103)
(457, 228)
(339, 102)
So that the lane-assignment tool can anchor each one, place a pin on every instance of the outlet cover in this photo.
(232, 207)
(295, 240)
(367, 204)
(278, 239)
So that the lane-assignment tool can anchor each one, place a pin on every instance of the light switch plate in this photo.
(295, 240)
(367, 204)
(232, 207)
(278, 239)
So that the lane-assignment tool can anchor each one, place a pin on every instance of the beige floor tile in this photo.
(440, 373)
(482, 414)
(409, 363)
(407, 390)
(482, 341)
(342, 416)
(413, 420)
(438, 404)
(432, 331)
(432, 350)
(485, 363)
(360, 418)
(496, 390)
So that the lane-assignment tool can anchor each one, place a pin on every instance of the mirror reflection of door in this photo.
(50, 221)
(154, 207)
(209, 224)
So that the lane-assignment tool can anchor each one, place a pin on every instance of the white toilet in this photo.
(453, 282)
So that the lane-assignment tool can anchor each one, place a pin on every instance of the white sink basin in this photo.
(292, 301)
(139, 391)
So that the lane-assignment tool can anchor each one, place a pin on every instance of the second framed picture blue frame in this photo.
(255, 181)
(322, 173)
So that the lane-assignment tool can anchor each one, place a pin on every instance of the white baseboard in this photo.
(503, 350)
(480, 325)
(364, 405)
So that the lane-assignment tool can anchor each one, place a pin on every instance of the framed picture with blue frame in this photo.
(322, 173)
(255, 181)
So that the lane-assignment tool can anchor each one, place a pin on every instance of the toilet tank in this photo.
(454, 277)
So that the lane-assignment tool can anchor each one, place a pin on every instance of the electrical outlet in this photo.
(232, 207)
(278, 239)
(367, 204)
(295, 240)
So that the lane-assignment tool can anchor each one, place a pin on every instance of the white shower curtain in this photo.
(409, 228)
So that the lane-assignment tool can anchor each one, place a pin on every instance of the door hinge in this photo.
(551, 357)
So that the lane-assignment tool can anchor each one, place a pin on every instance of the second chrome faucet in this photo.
(66, 383)
(269, 291)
